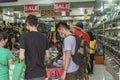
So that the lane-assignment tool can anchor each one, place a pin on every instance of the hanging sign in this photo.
(31, 8)
(61, 6)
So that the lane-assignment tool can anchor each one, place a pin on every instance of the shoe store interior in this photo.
(96, 22)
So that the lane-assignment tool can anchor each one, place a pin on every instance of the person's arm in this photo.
(22, 52)
(96, 45)
(72, 28)
(10, 61)
(68, 43)
(47, 54)
(13, 42)
(75, 27)
(10, 57)
(67, 62)
(67, 59)
(22, 48)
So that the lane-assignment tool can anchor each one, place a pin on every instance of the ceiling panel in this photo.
(23, 2)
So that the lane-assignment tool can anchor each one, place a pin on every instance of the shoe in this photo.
(90, 73)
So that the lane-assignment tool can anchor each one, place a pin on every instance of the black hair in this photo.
(79, 24)
(32, 20)
(63, 24)
(3, 36)
(92, 36)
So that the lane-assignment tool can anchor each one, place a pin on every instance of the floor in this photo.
(100, 73)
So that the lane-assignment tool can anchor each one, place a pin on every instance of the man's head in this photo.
(62, 28)
(31, 21)
(80, 25)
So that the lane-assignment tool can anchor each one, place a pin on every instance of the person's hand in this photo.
(63, 76)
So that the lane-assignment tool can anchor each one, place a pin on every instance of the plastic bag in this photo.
(17, 70)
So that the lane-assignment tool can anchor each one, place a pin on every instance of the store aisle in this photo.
(100, 73)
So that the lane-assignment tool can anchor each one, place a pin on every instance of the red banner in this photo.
(61, 6)
(31, 8)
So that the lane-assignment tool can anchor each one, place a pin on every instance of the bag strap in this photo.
(69, 35)
(85, 47)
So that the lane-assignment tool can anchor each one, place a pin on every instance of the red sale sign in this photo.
(31, 8)
(61, 6)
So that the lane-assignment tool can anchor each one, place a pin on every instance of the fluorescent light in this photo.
(101, 8)
(110, 1)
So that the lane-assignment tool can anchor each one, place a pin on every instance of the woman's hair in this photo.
(3, 36)
(92, 36)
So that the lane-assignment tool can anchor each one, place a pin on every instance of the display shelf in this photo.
(111, 69)
(113, 62)
(108, 36)
(112, 48)
(112, 20)
(114, 28)
(101, 35)
(112, 38)
(116, 18)
(100, 41)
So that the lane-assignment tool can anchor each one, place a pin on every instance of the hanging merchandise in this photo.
(85, 14)
(67, 13)
(53, 28)
(49, 13)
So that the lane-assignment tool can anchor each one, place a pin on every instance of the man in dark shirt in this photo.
(33, 48)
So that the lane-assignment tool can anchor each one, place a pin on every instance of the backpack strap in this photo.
(69, 35)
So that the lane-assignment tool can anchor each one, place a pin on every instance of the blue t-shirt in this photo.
(69, 44)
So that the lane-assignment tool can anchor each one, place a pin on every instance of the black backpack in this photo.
(81, 52)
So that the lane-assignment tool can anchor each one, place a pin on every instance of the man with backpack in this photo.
(78, 31)
(71, 69)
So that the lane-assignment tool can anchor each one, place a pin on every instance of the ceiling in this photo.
(94, 6)
(74, 4)
(23, 2)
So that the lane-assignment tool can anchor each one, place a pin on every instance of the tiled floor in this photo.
(100, 73)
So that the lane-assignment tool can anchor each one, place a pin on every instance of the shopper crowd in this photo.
(35, 48)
